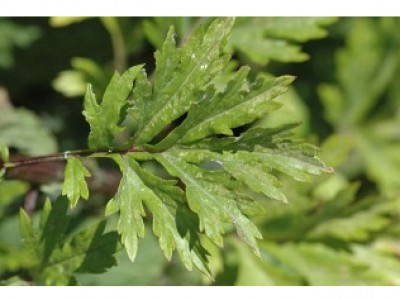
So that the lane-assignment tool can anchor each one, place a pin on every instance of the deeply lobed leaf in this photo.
(75, 185)
(205, 199)
(179, 75)
(105, 118)
(137, 187)
(187, 122)
(128, 201)
(220, 112)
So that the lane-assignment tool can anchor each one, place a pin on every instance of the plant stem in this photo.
(63, 156)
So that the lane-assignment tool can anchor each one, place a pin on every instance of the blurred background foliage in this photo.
(341, 229)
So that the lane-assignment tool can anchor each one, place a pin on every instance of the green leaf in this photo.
(180, 74)
(388, 267)
(73, 83)
(75, 185)
(55, 223)
(352, 102)
(237, 105)
(89, 251)
(298, 162)
(158, 201)
(29, 238)
(248, 140)
(128, 200)
(156, 28)
(210, 166)
(105, 118)
(14, 35)
(204, 199)
(147, 270)
(294, 109)
(382, 161)
(256, 176)
(4, 154)
(70, 83)
(362, 104)
(22, 129)
(55, 258)
(42, 241)
(358, 227)
(265, 39)
(65, 21)
(321, 265)
(262, 271)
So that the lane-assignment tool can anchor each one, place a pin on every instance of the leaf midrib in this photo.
(161, 110)
(221, 114)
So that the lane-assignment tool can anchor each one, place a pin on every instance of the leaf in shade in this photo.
(56, 259)
(88, 251)
(55, 222)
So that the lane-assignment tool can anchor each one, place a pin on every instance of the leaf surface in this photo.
(105, 118)
(75, 185)
(133, 192)
(180, 74)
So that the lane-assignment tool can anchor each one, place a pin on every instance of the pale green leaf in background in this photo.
(65, 21)
(14, 36)
(4, 153)
(265, 39)
(16, 127)
(321, 265)
(358, 227)
(73, 83)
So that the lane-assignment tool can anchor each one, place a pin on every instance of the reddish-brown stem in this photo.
(62, 156)
(50, 168)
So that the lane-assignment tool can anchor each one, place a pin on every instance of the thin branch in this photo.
(63, 156)
(48, 169)
(104, 181)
